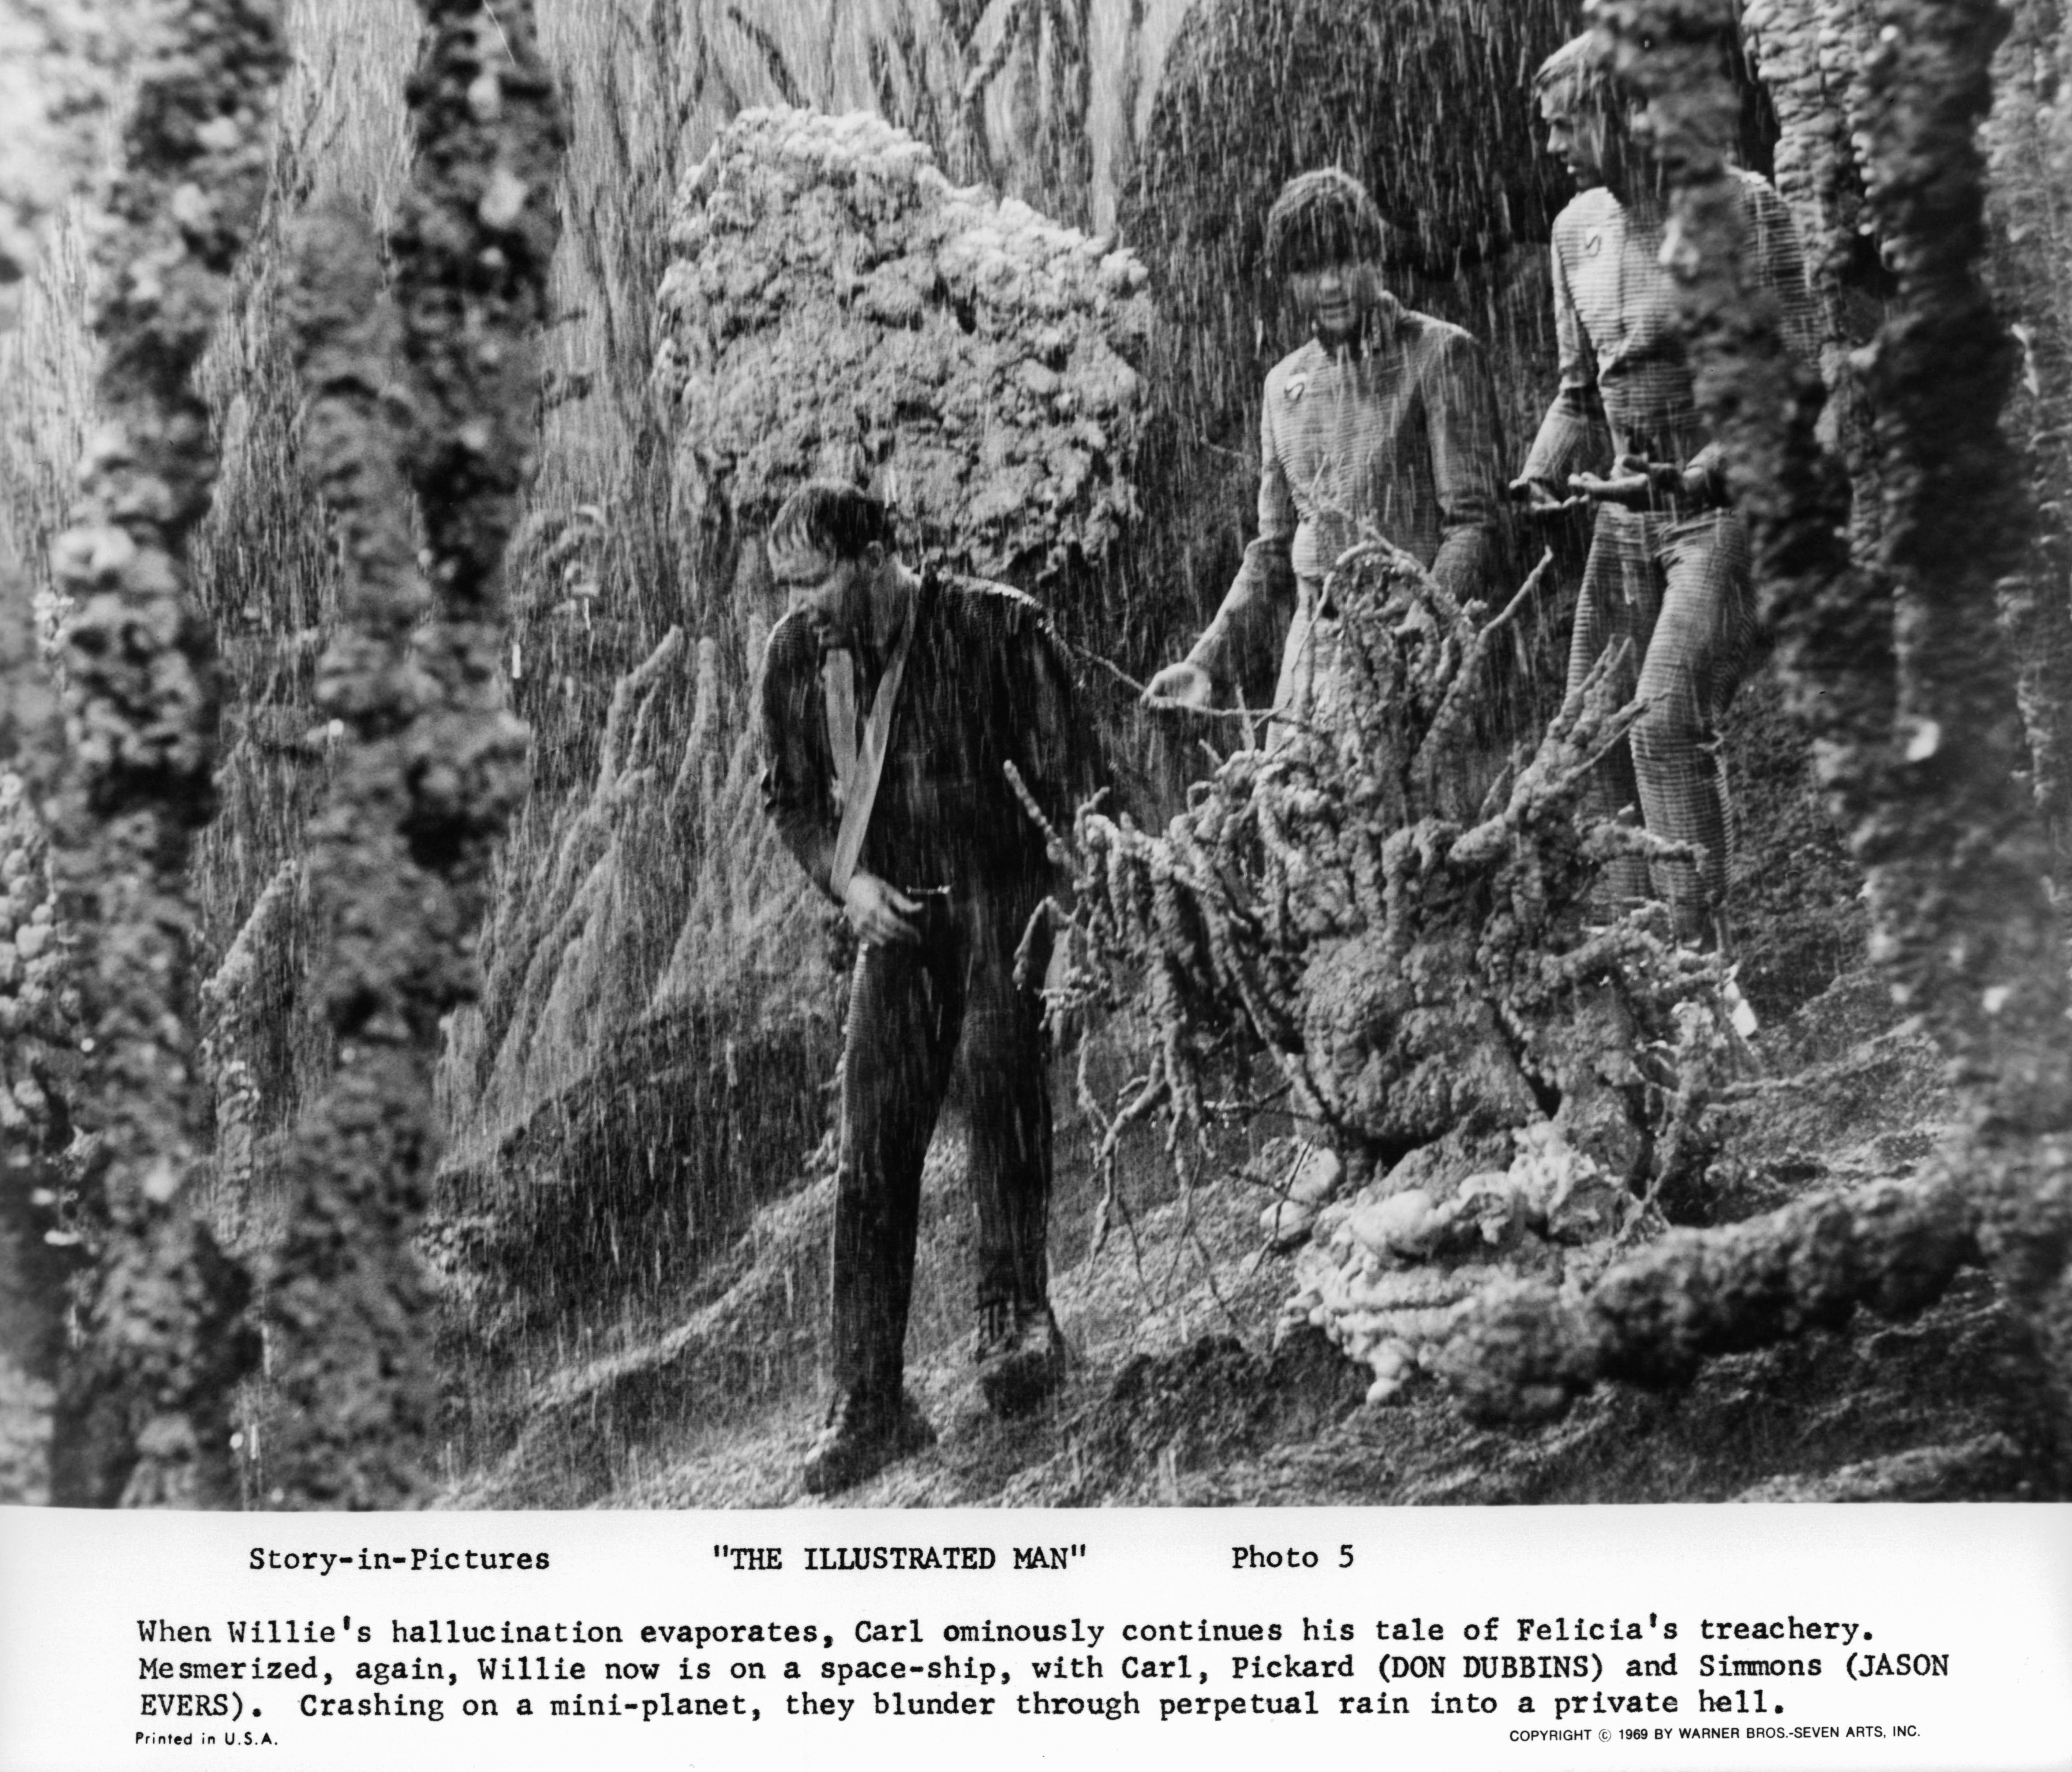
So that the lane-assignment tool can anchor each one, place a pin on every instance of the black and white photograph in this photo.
(931, 755)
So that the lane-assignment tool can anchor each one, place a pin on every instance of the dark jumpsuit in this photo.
(986, 683)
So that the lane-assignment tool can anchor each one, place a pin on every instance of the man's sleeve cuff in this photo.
(1567, 444)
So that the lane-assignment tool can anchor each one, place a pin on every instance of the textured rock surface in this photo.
(838, 307)
(435, 764)
(57, 65)
(1405, 930)
(59, 62)
(2027, 139)
(143, 1411)
(39, 1238)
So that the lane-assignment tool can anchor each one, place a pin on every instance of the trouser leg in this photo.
(1703, 642)
(1617, 603)
(1010, 1129)
(905, 1003)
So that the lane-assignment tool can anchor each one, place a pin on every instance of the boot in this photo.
(864, 1434)
(1022, 1357)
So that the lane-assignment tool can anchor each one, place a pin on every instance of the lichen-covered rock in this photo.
(40, 1220)
(1808, 53)
(1408, 930)
(57, 69)
(1390, 1275)
(143, 1409)
(39, 1010)
(434, 763)
(57, 66)
(1413, 1056)
(838, 307)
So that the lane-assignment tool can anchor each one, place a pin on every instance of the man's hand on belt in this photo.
(1640, 484)
(880, 913)
(1540, 499)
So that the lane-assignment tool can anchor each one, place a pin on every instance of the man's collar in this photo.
(904, 608)
(870, 655)
(1381, 322)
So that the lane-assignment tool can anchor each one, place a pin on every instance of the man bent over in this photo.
(892, 704)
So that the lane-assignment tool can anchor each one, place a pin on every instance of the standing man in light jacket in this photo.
(1386, 416)
(1669, 568)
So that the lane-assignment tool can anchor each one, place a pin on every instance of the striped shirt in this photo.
(1403, 434)
(1621, 342)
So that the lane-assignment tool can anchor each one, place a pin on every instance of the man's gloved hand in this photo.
(879, 912)
(1541, 499)
(1638, 484)
(1181, 686)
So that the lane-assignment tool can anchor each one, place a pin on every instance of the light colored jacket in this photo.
(1403, 434)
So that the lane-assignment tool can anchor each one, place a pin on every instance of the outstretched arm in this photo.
(1256, 609)
(1062, 763)
(1461, 416)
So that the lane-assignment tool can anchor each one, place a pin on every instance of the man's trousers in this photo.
(908, 1006)
(1679, 589)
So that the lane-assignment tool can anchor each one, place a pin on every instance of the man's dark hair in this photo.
(1324, 217)
(833, 518)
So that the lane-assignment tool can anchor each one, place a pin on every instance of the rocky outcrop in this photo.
(58, 66)
(434, 763)
(144, 1408)
(837, 307)
(1398, 934)
(57, 69)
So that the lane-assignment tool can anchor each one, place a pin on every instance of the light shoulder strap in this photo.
(862, 793)
(838, 685)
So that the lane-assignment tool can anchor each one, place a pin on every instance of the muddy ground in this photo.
(1187, 1389)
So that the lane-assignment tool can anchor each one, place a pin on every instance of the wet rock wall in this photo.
(434, 764)
(57, 63)
(837, 306)
(2028, 140)
(55, 76)
(919, 62)
(143, 1408)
